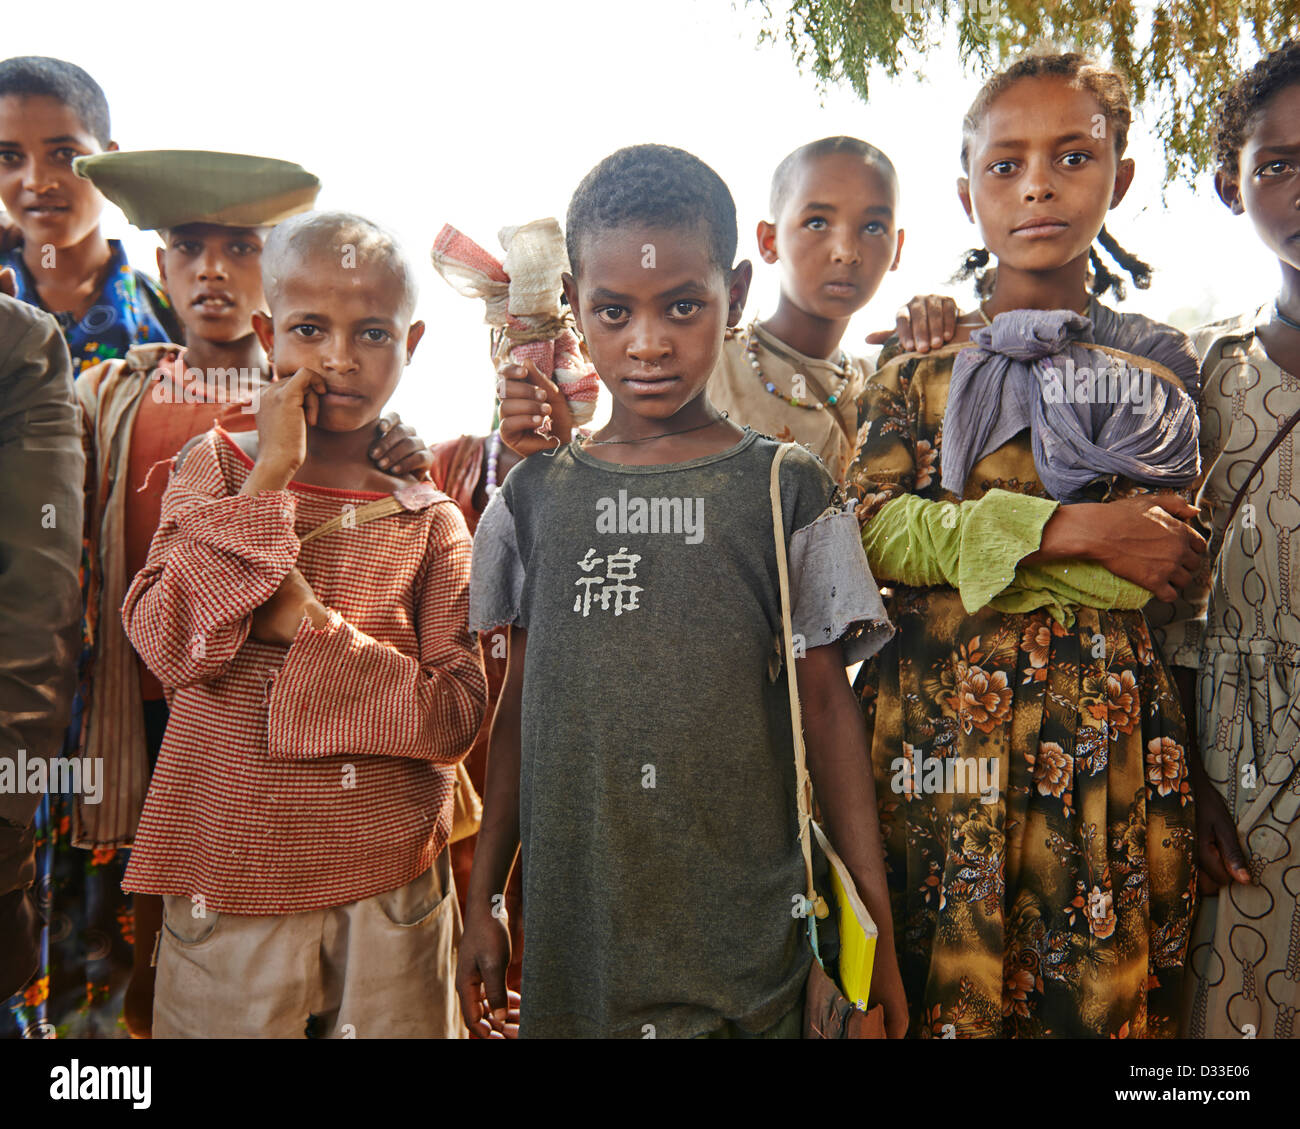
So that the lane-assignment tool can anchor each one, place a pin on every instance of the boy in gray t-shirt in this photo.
(642, 751)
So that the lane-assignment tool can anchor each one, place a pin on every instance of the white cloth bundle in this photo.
(522, 296)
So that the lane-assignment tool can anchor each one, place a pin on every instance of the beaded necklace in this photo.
(841, 370)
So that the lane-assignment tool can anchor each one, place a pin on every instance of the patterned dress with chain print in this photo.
(1242, 634)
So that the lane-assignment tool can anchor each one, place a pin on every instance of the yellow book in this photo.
(857, 930)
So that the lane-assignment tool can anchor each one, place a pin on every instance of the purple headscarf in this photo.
(1089, 413)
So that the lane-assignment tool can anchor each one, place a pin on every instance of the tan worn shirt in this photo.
(1240, 626)
(831, 433)
(1248, 600)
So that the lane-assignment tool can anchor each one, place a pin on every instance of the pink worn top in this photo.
(294, 778)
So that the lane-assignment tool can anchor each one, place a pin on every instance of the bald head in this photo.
(340, 238)
(787, 172)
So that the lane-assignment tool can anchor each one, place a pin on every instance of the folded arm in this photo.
(979, 547)
(342, 691)
(1012, 551)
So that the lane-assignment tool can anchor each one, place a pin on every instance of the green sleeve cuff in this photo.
(1062, 586)
(997, 532)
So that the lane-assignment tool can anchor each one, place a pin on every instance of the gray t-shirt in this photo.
(657, 810)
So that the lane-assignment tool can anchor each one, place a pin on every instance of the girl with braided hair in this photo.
(1081, 277)
(1021, 545)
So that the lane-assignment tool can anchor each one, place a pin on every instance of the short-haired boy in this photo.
(213, 212)
(642, 750)
(322, 692)
(834, 235)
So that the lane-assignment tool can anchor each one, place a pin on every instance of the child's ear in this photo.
(767, 242)
(162, 266)
(1228, 187)
(571, 296)
(898, 251)
(963, 194)
(264, 327)
(413, 336)
(742, 274)
(1123, 178)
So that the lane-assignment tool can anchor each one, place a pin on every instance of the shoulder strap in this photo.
(803, 784)
(1156, 368)
(1282, 433)
(362, 514)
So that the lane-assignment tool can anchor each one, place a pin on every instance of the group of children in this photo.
(1062, 781)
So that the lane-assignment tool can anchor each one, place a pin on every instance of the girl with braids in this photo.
(1055, 899)
(1080, 282)
(1101, 277)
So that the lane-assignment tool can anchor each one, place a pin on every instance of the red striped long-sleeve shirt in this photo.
(293, 778)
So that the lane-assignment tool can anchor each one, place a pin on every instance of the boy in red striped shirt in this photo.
(322, 691)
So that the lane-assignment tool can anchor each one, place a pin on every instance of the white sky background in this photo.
(488, 114)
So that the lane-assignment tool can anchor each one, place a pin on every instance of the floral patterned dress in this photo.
(1031, 780)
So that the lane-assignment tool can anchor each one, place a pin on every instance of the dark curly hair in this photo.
(658, 186)
(1240, 105)
(1110, 88)
(784, 174)
(32, 76)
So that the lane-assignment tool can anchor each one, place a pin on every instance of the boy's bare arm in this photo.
(841, 774)
(498, 838)
(485, 946)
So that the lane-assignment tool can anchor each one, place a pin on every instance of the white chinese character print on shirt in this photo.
(619, 568)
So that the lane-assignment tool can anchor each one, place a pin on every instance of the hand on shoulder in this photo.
(928, 321)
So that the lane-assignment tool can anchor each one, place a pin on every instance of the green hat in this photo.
(165, 188)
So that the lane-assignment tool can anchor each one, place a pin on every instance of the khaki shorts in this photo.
(382, 967)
